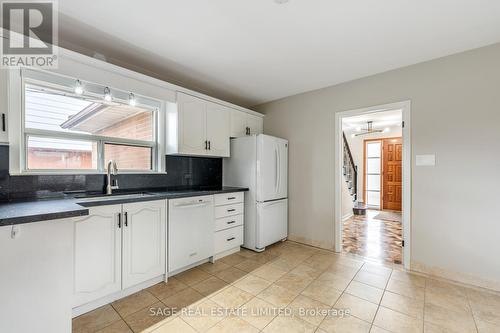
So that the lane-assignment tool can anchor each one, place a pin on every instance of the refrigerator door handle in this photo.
(276, 179)
(279, 168)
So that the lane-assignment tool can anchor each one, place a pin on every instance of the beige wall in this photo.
(455, 114)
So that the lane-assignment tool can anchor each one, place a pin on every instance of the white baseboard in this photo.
(225, 254)
(461, 278)
(79, 310)
(347, 216)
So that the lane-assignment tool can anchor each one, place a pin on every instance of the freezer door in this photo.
(272, 222)
(272, 168)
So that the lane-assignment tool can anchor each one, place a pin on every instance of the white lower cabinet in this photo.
(98, 253)
(190, 231)
(116, 247)
(228, 233)
(143, 242)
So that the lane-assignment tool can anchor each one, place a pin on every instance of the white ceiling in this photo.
(255, 51)
(381, 120)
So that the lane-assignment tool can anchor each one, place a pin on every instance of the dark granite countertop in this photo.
(28, 211)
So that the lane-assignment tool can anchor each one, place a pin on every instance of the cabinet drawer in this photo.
(228, 222)
(228, 198)
(228, 239)
(228, 210)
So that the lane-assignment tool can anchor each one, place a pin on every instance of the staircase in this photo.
(350, 171)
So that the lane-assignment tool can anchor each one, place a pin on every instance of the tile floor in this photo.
(376, 239)
(318, 291)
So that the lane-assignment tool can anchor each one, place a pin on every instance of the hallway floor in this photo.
(374, 238)
(296, 288)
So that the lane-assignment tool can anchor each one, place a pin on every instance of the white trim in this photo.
(405, 108)
(79, 310)
(347, 216)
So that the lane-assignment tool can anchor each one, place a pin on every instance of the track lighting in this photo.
(131, 100)
(78, 87)
(107, 94)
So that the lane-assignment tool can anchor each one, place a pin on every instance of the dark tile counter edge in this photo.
(81, 209)
(43, 217)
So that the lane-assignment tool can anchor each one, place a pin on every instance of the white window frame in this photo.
(17, 82)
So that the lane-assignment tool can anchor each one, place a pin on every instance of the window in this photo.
(80, 133)
(373, 163)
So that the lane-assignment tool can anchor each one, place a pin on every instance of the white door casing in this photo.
(405, 108)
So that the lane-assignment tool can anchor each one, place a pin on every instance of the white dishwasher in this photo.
(191, 228)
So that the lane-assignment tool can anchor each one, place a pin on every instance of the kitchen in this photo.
(86, 226)
(185, 166)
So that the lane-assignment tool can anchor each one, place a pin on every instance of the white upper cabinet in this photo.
(238, 124)
(218, 126)
(4, 137)
(255, 124)
(192, 124)
(197, 127)
(243, 123)
(97, 254)
(143, 241)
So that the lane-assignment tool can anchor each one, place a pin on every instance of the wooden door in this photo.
(143, 241)
(392, 173)
(97, 254)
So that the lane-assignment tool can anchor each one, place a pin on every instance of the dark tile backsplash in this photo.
(182, 173)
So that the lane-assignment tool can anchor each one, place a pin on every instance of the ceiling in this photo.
(254, 51)
(381, 120)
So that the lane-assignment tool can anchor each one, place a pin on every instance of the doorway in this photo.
(372, 173)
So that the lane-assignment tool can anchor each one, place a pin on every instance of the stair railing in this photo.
(350, 170)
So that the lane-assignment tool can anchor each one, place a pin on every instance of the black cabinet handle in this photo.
(209, 145)
(206, 145)
(230, 239)
(4, 125)
(231, 198)
(231, 210)
(231, 222)
(119, 220)
(126, 219)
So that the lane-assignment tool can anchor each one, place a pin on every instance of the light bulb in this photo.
(131, 100)
(107, 94)
(387, 129)
(78, 87)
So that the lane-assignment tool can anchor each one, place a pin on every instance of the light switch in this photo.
(425, 160)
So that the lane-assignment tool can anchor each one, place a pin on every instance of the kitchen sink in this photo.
(104, 197)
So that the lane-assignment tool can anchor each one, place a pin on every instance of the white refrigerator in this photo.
(260, 162)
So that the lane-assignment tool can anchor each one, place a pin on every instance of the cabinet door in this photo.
(4, 138)
(192, 125)
(256, 124)
(238, 123)
(97, 253)
(143, 241)
(191, 228)
(218, 128)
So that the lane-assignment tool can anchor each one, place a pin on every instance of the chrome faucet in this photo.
(112, 184)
